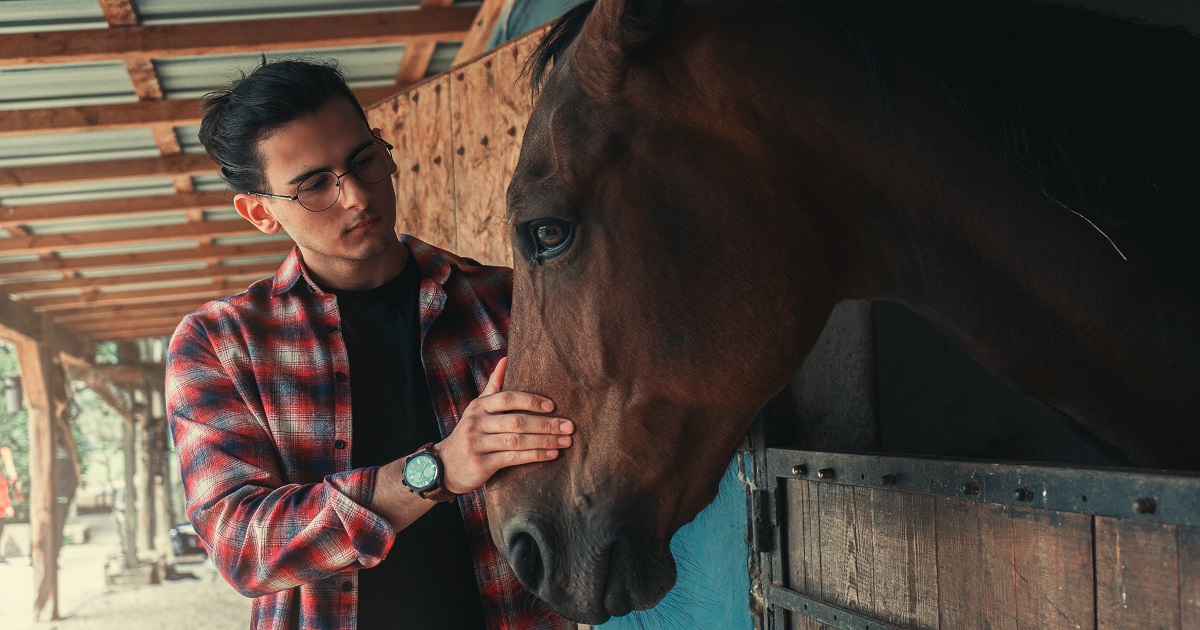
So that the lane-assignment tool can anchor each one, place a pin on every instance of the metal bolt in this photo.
(825, 473)
(1145, 505)
(971, 488)
(1023, 494)
(888, 479)
(799, 470)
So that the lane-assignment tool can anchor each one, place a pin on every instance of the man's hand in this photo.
(500, 429)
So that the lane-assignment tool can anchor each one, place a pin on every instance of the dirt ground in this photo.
(199, 601)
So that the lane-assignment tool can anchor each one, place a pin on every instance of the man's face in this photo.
(361, 224)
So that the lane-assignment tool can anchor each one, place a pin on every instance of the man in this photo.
(297, 404)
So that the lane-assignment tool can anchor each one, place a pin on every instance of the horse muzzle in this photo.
(601, 570)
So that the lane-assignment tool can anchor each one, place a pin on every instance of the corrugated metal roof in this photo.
(27, 16)
(193, 77)
(86, 191)
(77, 146)
(157, 12)
(64, 85)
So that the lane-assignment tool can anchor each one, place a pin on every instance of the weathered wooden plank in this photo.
(845, 561)
(905, 551)
(999, 573)
(490, 110)
(1052, 554)
(1137, 574)
(960, 564)
(418, 121)
(213, 38)
(1188, 541)
(802, 520)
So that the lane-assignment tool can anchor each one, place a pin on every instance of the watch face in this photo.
(421, 471)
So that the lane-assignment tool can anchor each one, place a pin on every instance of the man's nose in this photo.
(355, 194)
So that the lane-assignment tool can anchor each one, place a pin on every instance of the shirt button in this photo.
(339, 444)
(339, 376)
(331, 328)
(346, 586)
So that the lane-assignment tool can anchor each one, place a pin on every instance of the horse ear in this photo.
(615, 31)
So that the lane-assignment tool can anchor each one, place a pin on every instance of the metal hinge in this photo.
(762, 521)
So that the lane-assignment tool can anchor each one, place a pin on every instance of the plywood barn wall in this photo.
(457, 138)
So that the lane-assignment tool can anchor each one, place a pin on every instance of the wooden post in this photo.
(129, 526)
(45, 396)
(164, 517)
(145, 470)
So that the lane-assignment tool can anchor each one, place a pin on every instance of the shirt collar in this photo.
(433, 263)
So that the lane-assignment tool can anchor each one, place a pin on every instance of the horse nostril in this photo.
(526, 560)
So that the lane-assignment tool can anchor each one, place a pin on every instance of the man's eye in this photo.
(314, 184)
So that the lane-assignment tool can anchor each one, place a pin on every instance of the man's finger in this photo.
(496, 380)
(498, 442)
(510, 401)
(521, 423)
(504, 459)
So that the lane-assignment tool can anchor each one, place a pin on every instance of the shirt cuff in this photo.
(370, 534)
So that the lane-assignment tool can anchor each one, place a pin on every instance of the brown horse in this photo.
(701, 183)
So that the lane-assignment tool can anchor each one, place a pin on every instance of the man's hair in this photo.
(238, 117)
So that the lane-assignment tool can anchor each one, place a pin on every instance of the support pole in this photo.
(129, 500)
(145, 470)
(45, 394)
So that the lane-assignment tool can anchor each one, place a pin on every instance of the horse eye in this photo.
(550, 237)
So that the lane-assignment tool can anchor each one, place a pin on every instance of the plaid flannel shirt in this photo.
(258, 397)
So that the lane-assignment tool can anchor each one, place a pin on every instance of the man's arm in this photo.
(264, 535)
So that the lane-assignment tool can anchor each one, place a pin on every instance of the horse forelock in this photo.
(1096, 111)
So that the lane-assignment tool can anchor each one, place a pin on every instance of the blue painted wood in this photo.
(711, 552)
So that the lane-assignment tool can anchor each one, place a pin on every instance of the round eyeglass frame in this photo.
(337, 178)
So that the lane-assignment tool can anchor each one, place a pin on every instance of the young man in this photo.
(336, 423)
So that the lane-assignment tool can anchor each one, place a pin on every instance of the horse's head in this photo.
(649, 266)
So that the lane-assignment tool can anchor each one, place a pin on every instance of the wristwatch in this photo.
(423, 475)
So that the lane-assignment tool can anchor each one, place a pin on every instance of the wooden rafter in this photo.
(157, 42)
(114, 207)
(110, 325)
(208, 253)
(131, 336)
(125, 236)
(210, 290)
(119, 12)
(188, 303)
(171, 113)
(182, 164)
(137, 312)
(417, 55)
(476, 40)
(213, 271)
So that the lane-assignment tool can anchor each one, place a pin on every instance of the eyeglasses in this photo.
(320, 191)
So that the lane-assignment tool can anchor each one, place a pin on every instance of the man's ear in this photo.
(378, 133)
(252, 208)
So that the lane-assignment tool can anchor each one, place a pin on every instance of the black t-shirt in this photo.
(427, 580)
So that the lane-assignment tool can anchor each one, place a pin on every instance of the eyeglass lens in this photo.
(321, 191)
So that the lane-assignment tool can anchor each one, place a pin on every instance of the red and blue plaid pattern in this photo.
(258, 397)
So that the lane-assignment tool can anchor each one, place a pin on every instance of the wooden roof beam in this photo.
(119, 12)
(476, 40)
(135, 312)
(108, 325)
(114, 207)
(19, 323)
(212, 271)
(157, 42)
(202, 292)
(207, 253)
(166, 166)
(124, 236)
(137, 115)
(132, 335)
(187, 303)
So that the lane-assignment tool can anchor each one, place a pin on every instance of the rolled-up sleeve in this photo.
(264, 534)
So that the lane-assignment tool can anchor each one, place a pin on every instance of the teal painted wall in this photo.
(713, 589)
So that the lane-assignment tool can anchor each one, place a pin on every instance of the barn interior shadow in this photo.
(882, 379)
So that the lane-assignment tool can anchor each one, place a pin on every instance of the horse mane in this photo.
(1099, 112)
